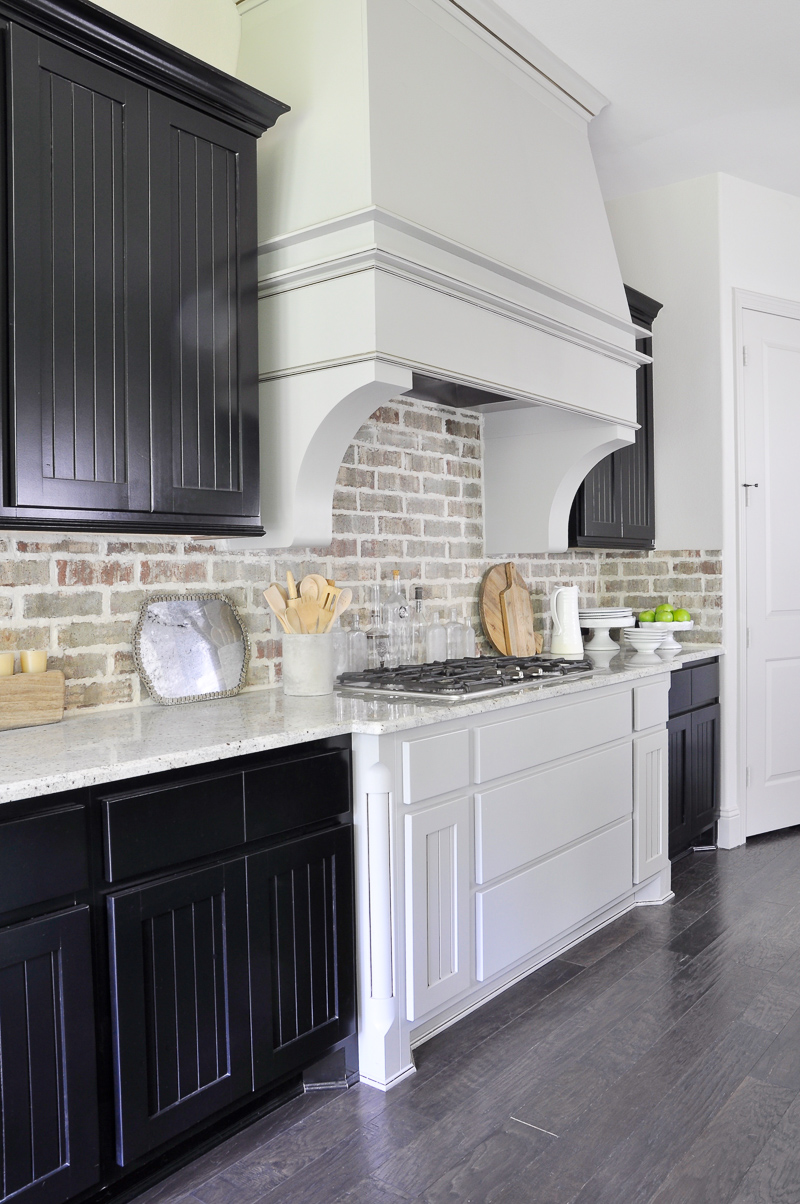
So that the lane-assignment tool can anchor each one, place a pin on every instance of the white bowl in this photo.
(638, 638)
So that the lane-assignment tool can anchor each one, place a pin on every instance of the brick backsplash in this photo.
(408, 496)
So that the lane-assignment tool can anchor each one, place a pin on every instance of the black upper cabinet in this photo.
(614, 507)
(131, 211)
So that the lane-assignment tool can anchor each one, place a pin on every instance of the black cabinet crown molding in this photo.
(644, 310)
(120, 46)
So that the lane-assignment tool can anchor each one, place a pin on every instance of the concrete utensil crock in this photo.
(308, 665)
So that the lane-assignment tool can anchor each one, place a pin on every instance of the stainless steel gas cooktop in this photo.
(457, 680)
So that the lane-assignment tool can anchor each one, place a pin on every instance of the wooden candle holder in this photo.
(30, 699)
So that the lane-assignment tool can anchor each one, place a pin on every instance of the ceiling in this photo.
(694, 86)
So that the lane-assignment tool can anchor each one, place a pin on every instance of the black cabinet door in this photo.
(679, 732)
(203, 301)
(302, 960)
(48, 1103)
(78, 315)
(705, 768)
(179, 997)
(615, 505)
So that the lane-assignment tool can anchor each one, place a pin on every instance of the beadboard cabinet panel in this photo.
(180, 1009)
(48, 1106)
(302, 984)
(78, 142)
(204, 297)
(651, 809)
(437, 905)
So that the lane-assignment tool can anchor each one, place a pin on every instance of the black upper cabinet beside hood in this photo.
(130, 197)
(615, 505)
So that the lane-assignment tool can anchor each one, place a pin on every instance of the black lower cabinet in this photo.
(300, 900)
(179, 949)
(48, 1105)
(179, 997)
(694, 755)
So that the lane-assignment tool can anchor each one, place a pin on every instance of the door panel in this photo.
(705, 768)
(680, 783)
(772, 435)
(78, 282)
(302, 978)
(48, 1108)
(203, 304)
(179, 996)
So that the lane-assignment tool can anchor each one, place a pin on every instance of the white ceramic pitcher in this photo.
(566, 639)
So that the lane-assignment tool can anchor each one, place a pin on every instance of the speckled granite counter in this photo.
(85, 750)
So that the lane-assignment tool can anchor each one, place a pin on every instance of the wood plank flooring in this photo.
(658, 1062)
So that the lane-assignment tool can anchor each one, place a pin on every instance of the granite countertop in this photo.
(108, 746)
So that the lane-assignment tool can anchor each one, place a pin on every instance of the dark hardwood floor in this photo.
(658, 1061)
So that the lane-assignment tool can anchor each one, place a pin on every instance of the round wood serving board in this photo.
(518, 612)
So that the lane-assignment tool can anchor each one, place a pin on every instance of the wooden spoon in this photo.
(321, 584)
(309, 590)
(277, 604)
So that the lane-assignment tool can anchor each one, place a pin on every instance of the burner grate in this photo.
(469, 677)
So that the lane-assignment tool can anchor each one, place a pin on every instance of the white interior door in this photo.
(772, 442)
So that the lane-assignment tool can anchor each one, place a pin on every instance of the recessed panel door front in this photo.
(48, 1101)
(179, 998)
(770, 498)
(203, 299)
(78, 315)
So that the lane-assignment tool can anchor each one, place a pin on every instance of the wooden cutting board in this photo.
(30, 699)
(506, 612)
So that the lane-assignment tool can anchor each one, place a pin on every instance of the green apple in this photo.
(682, 616)
(647, 616)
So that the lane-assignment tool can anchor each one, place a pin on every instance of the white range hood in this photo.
(430, 213)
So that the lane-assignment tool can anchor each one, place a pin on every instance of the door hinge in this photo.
(747, 776)
(744, 356)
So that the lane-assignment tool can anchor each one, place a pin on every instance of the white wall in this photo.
(667, 240)
(208, 29)
(691, 245)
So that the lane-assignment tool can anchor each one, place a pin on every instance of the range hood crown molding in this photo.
(528, 50)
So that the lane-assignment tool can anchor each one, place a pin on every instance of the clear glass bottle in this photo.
(419, 630)
(397, 618)
(454, 636)
(357, 654)
(377, 635)
(339, 639)
(470, 640)
(436, 640)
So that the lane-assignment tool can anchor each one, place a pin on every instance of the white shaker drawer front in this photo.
(518, 744)
(435, 765)
(650, 705)
(527, 819)
(518, 916)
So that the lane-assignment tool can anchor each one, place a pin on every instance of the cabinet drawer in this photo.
(155, 828)
(650, 705)
(680, 692)
(518, 744)
(705, 684)
(527, 819)
(517, 917)
(435, 765)
(43, 857)
(293, 793)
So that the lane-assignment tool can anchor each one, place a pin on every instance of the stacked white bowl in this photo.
(644, 639)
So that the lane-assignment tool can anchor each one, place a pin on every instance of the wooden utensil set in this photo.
(310, 608)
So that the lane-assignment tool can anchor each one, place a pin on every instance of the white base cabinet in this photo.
(511, 835)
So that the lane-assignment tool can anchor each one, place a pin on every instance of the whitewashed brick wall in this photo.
(408, 496)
